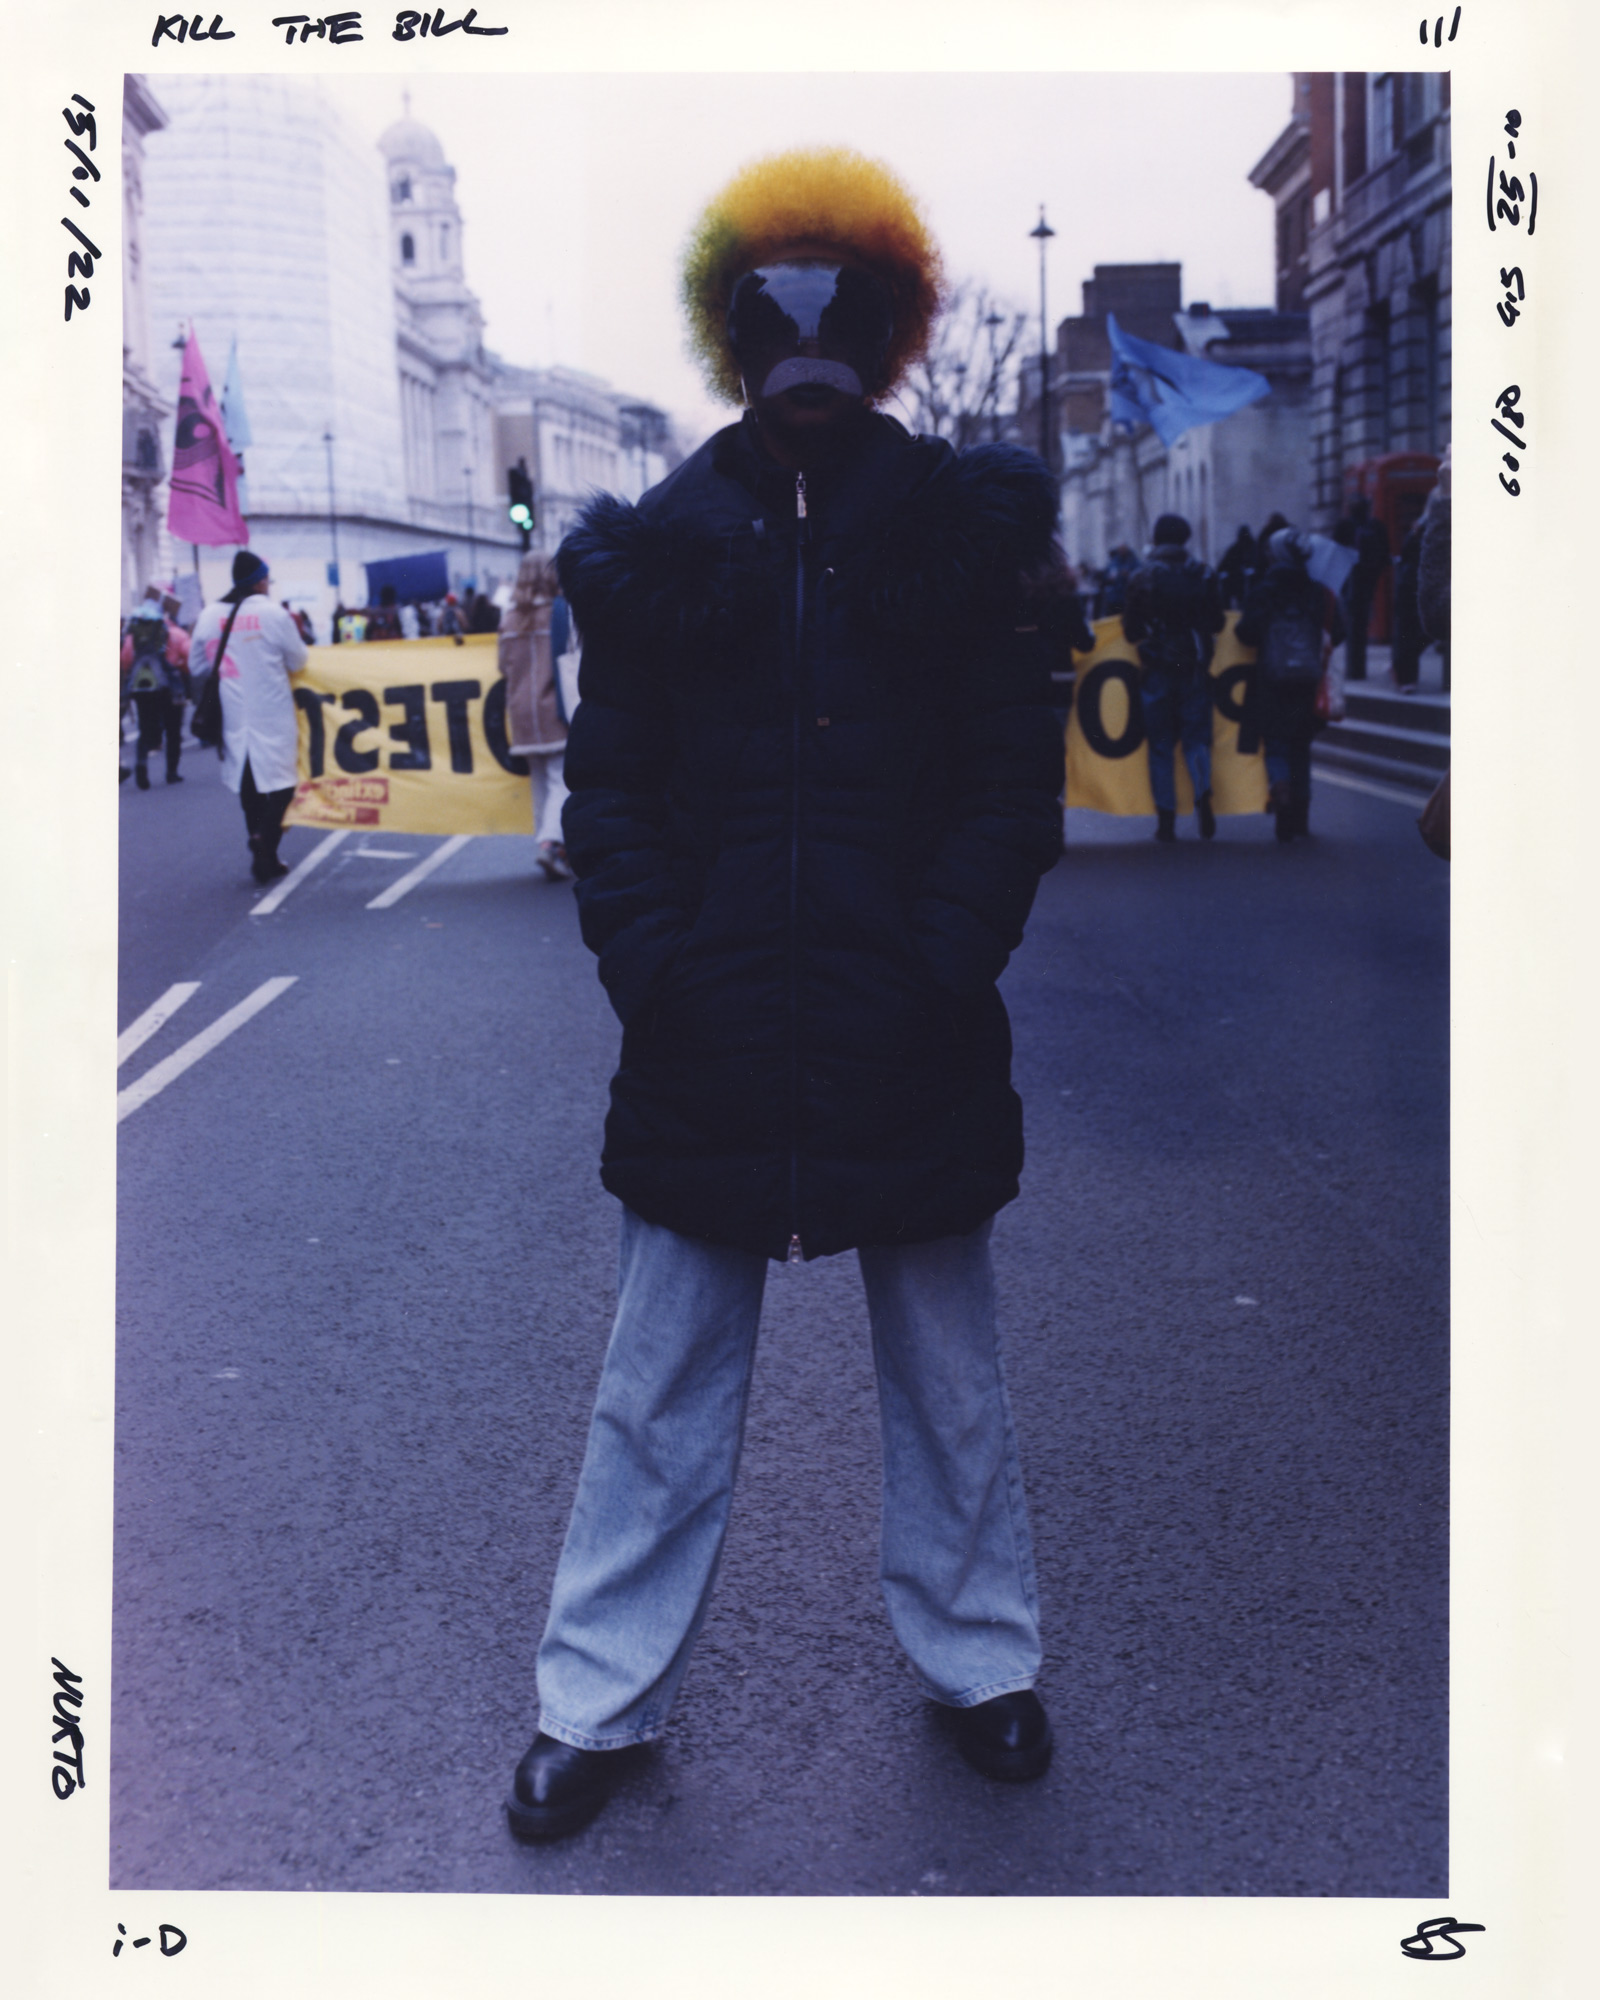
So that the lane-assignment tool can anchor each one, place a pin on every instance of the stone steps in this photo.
(1404, 739)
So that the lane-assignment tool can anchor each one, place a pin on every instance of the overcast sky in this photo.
(577, 192)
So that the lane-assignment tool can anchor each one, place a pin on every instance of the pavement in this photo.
(366, 1271)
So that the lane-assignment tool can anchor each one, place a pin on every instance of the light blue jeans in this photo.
(641, 1554)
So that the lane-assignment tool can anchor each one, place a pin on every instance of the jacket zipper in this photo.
(802, 536)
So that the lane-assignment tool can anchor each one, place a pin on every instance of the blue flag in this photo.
(1171, 391)
(234, 421)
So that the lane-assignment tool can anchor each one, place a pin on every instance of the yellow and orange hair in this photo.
(822, 200)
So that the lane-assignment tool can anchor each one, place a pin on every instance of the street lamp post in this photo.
(1042, 235)
(992, 391)
(472, 546)
(333, 516)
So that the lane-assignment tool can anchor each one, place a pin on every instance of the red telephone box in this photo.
(1396, 488)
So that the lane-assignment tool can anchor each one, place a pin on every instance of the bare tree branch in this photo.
(964, 387)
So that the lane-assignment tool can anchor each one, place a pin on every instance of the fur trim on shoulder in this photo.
(1014, 501)
(647, 579)
(961, 547)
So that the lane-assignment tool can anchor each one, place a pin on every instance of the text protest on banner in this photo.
(1108, 769)
(408, 735)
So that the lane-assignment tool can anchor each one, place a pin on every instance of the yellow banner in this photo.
(408, 735)
(1108, 769)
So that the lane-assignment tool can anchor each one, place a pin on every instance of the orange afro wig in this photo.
(822, 200)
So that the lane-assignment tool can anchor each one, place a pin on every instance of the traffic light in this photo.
(521, 508)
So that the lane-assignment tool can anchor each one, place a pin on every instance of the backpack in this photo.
(149, 669)
(1292, 650)
(1176, 602)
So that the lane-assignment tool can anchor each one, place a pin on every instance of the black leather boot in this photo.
(1166, 825)
(1207, 816)
(1007, 1738)
(559, 1788)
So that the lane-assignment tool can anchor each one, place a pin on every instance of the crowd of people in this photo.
(165, 668)
(1173, 606)
(448, 617)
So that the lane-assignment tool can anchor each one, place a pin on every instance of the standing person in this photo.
(155, 666)
(1293, 622)
(814, 778)
(1173, 615)
(1113, 592)
(1239, 563)
(1405, 658)
(254, 645)
(1370, 540)
(533, 705)
(450, 620)
(1053, 603)
(1433, 607)
(383, 618)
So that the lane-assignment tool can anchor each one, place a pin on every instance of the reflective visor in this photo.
(810, 322)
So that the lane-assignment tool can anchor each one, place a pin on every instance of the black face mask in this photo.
(794, 324)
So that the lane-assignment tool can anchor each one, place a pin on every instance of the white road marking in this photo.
(153, 1018)
(1323, 776)
(388, 853)
(156, 1080)
(270, 901)
(420, 873)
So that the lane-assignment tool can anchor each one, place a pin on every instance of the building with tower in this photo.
(381, 424)
(447, 381)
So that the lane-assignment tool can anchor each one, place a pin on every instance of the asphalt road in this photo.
(366, 1273)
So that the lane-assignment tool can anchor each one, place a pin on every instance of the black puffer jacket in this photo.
(814, 777)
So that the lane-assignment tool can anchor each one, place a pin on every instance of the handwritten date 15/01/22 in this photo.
(1506, 403)
(80, 262)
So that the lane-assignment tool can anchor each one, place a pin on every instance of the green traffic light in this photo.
(521, 515)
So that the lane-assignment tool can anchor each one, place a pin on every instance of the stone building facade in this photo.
(1371, 154)
(1222, 475)
(381, 424)
(144, 410)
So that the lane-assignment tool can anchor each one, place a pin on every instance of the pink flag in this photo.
(205, 473)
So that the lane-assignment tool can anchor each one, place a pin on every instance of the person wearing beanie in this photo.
(254, 646)
(814, 776)
(1173, 615)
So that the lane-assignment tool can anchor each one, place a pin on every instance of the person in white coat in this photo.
(260, 649)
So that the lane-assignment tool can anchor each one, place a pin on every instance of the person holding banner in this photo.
(254, 646)
(1293, 622)
(534, 721)
(1173, 615)
(814, 784)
